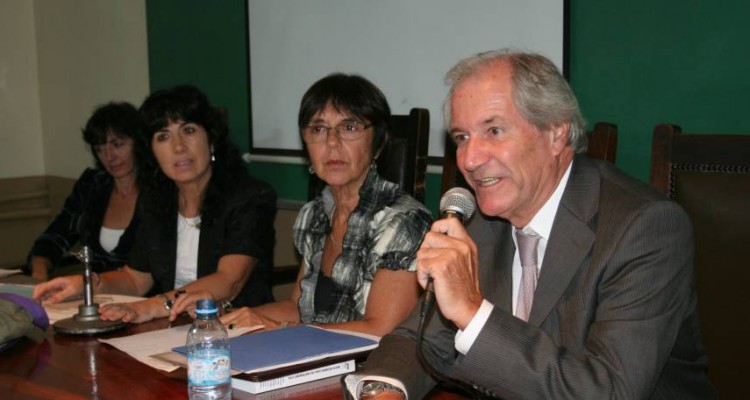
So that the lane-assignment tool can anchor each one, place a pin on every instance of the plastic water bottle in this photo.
(209, 368)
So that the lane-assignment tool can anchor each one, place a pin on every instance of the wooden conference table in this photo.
(80, 367)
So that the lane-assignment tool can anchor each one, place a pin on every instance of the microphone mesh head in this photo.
(458, 200)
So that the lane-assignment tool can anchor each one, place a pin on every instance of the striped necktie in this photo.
(527, 244)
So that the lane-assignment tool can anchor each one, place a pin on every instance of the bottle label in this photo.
(208, 368)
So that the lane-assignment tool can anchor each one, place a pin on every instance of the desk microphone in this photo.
(455, 203)
(87, 321)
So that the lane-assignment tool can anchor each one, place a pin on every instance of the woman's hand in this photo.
(246, 317)
(136, 312)
(185, 302)
(59, 289)
(449, 256)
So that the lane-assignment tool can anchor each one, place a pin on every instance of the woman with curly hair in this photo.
(100, 211)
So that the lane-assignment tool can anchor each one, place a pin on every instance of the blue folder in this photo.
(288, 346)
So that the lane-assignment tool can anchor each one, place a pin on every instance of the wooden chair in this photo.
(404, 160)
(602, 142)
(602, 145)
(709, 175)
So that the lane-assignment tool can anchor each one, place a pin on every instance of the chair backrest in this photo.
(404, 160)
(709, 175)
(603, 142)
(602, 145)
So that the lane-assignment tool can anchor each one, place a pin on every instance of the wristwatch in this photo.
(374, 388)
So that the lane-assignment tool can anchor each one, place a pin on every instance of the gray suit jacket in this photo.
(614, 313)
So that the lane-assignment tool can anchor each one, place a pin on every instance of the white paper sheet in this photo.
(143, 345)
(8, 272)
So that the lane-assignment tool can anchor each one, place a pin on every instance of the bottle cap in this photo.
(206, 306)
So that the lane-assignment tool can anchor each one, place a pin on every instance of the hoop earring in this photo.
(311, 169)
(213, 157)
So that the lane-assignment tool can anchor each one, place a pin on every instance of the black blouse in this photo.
(242, 224)
(80, 220)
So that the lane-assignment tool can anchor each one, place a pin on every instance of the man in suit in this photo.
(613, 311)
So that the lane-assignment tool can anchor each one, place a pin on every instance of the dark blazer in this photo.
(80, 220)
(241, 224)
(614, 314)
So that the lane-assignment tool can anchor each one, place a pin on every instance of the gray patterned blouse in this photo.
(384, 231)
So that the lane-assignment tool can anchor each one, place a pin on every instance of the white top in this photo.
(188, 236)
(110, 238)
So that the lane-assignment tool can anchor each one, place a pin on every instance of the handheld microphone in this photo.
(455, 203)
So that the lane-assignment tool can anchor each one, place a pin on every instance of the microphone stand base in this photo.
(86, 322)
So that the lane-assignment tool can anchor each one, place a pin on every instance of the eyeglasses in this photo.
(346, 130)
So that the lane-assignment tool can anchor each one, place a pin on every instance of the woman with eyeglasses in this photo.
(206, 225)
(358, 238)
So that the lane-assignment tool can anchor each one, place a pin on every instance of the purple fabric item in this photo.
(38, 315)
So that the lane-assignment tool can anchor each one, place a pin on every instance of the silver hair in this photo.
(540, 93)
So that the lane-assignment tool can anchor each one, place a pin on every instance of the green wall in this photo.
(638, 63)
(204, 44)
(633, 63)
